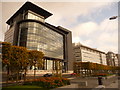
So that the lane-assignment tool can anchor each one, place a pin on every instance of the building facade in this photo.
(29, 29)
(112, 59)
(84, 53)
(118, 56)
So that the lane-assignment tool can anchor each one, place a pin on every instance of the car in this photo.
(47, 75)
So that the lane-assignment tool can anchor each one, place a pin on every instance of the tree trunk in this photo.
(34, 72)
(17, 77)
(7, 75)
(25, 75)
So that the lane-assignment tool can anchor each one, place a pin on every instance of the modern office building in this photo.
(116, 60)
(118, 56)
(84, 53)
(29, 29)
(112, 59)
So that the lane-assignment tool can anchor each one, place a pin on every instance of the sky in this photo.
(88, 21)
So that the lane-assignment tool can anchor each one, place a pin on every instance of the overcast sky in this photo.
(88, 21)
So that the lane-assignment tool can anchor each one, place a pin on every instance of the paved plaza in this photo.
(87, 82)
(91, 83)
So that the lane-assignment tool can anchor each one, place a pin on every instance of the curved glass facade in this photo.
(39, 37)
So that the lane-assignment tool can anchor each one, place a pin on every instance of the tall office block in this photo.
(29, 29)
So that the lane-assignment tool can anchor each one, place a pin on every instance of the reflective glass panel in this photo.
(42, 38)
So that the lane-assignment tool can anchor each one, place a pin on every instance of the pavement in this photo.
(113, 85)
(92, 83)
(87, 82)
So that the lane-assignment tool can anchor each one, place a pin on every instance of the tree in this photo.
(19, 60)
(58, 68)
(6, 57)
(35, 58)
(6, 53)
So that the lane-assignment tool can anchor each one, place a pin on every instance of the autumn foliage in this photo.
(48, 82)
(35, 59)
(16, 59)
(6, 53)
(94, 68)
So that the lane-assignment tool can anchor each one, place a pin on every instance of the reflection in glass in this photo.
(44, 39)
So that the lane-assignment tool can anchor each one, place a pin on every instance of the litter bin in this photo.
(100, 80)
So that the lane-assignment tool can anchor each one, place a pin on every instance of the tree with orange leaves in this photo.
(19, 60)
(35, 58)
(6, 56)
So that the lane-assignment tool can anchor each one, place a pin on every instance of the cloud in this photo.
(1, 22)
(87, 28)
(64, 13)
(103, 36)
(60, 0)
(109, 38)
(76, 39)
(88, 42)
(109, 25)
(68, 12)
(108, 42)
(84, 29)
(107, 48)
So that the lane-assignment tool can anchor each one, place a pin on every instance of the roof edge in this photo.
(30, 6)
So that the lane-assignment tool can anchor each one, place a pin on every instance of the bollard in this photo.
(100, 80)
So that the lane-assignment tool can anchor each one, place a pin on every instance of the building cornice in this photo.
(30, 6)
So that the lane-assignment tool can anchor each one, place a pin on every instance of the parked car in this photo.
(47, 75)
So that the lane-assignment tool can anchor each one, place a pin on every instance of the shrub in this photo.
(100, 74)
(73, 74)
(48, 82)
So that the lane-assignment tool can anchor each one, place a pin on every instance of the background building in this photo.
(112, 59)
(29, 29)
(84, 53)
(118, 56)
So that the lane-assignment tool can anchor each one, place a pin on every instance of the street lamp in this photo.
(113, 17)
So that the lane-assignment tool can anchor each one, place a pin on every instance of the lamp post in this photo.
(113, 17)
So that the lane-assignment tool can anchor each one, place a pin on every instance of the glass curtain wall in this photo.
(42, 38)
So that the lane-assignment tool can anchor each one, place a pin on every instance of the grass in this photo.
(23, 87)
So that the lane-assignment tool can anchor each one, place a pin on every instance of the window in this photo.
(43, 39)
(32, 15)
